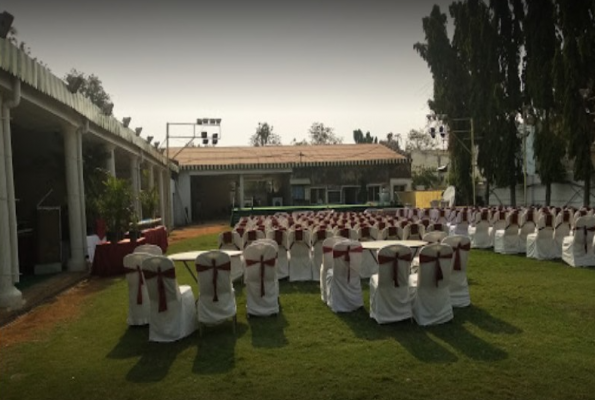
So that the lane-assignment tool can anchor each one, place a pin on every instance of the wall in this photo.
(431, 159)
(420, 199)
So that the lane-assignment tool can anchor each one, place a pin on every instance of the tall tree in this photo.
(359, 137)
(92, 88)
(417, 139)
(540, 47)
(264, 136)
(575, 76)
(320, 134)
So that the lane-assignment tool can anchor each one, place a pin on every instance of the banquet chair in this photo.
(561, 230)
(262, 286)
(498, 223)
(280, 238)
(327, 262)
(149, 249)
(344, 290)
(413, 231)
(393, 232)
(434, 236)
(173, 307)
(369, 265)
(541, 245)
(139, 308)
(431, 294)
(479, 233)
(216, 299)
(506, 241)
(250, 236)
(300, 258)
(527, 227)
(318, 238)
(390, 298)
(459, 286)
(92, 242)
(460, 225)
(229, 240)
(577, 250)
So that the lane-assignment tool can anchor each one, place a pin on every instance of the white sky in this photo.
(346, 64)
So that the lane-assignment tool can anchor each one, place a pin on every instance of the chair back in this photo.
(394, 266)
(252, 235)
(260, 259)
(160, 277)
(149, 249)
(583, 234)
(298, 237)
(347, 260)
(214, 275)
(229, 240)
(413, 232)
(434, 236)
(134, 275)
(461, 245)
(435, 265)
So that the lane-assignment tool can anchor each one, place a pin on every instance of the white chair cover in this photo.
(173, 308)
(506, 241)
(542, 245)
(231, 240)
(527, 227)
(431, 302)
(344, 291)
(318, 238)
(369, 265)
(498, 223)
(250, 236)
(280, 238)
(92, 242)
(480, 232)
(459, 287)
(413, 232)
(577, 250)
(561, 230)
(300, 257)
(434, 236)
(390, 298)
(139, 307)
(216, 298)
(327, 263)
(262, 285)
(149, 249)
(461, 224)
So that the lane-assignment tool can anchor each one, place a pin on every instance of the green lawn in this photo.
(528, 335)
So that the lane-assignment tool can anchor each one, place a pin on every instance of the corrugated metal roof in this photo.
(20, 65)
(268, 157)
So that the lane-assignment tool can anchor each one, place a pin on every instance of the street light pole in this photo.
(473, 157)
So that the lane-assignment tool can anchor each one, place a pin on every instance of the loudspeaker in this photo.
(5, 24)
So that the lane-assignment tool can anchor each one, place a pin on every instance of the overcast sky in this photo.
(348, 64)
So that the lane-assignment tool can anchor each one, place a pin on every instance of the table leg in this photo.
(190, 271)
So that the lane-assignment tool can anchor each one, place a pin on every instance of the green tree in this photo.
(417, 139)
(540, 47)
(264, 136)
(92, 88)
(359, 137)
(320, 134)
(574, 78)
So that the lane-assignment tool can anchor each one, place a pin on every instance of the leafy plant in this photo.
(149, 201)
(115, 205)
(425, 177)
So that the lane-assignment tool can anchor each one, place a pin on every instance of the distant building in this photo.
(212, 180)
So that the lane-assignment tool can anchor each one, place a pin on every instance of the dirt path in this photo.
(36, 324)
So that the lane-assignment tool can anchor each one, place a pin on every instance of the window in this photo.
(334, 197)
(374, 193)
(298, 193)
(318, 195)
(400, 188)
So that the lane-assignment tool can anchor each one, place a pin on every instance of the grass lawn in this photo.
(530, 334)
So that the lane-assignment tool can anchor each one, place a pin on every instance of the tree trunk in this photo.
(587, 190)
(513, 195)
(487, 199)
(548, 194)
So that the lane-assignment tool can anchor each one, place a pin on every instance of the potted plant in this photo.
(115, 207)
(149, 201)
(134, 231)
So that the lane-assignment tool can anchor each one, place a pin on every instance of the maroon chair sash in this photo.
(457, 249)
(345, 253)
(170, 274)
(395, 261)
(228, 239)
(423, 258)
(224, 267)
(269, 263)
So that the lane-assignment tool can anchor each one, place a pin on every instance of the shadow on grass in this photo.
(157, 358)
(131, 343)
(268, 332)
(484, 320)
(216, 349)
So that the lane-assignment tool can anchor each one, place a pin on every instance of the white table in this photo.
(190, 256)
(378, 244)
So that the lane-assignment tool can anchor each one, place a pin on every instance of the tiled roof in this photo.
(269, 157)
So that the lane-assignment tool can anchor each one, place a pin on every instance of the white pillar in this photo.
(12, 213)
(10, 297)
(111, 161)
(151, 176)
(73, 188)
(185, 195)
(135, 183)
(81, 175)
(241, 192)
(162, 197)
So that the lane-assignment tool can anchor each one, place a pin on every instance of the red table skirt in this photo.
(109, 258)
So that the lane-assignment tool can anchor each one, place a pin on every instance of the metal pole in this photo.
(525, 164)
(167, 142)
(473, 158)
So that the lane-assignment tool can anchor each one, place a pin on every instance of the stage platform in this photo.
(245, 212)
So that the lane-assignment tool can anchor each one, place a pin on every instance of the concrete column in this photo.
(162, 197)
(151, 176)
(185, 195)
(241, 192)
(12, 212)
(135, 183)
(169, 198)
(111, 161)
(74, 190)
(10, 297)
(81, 175)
